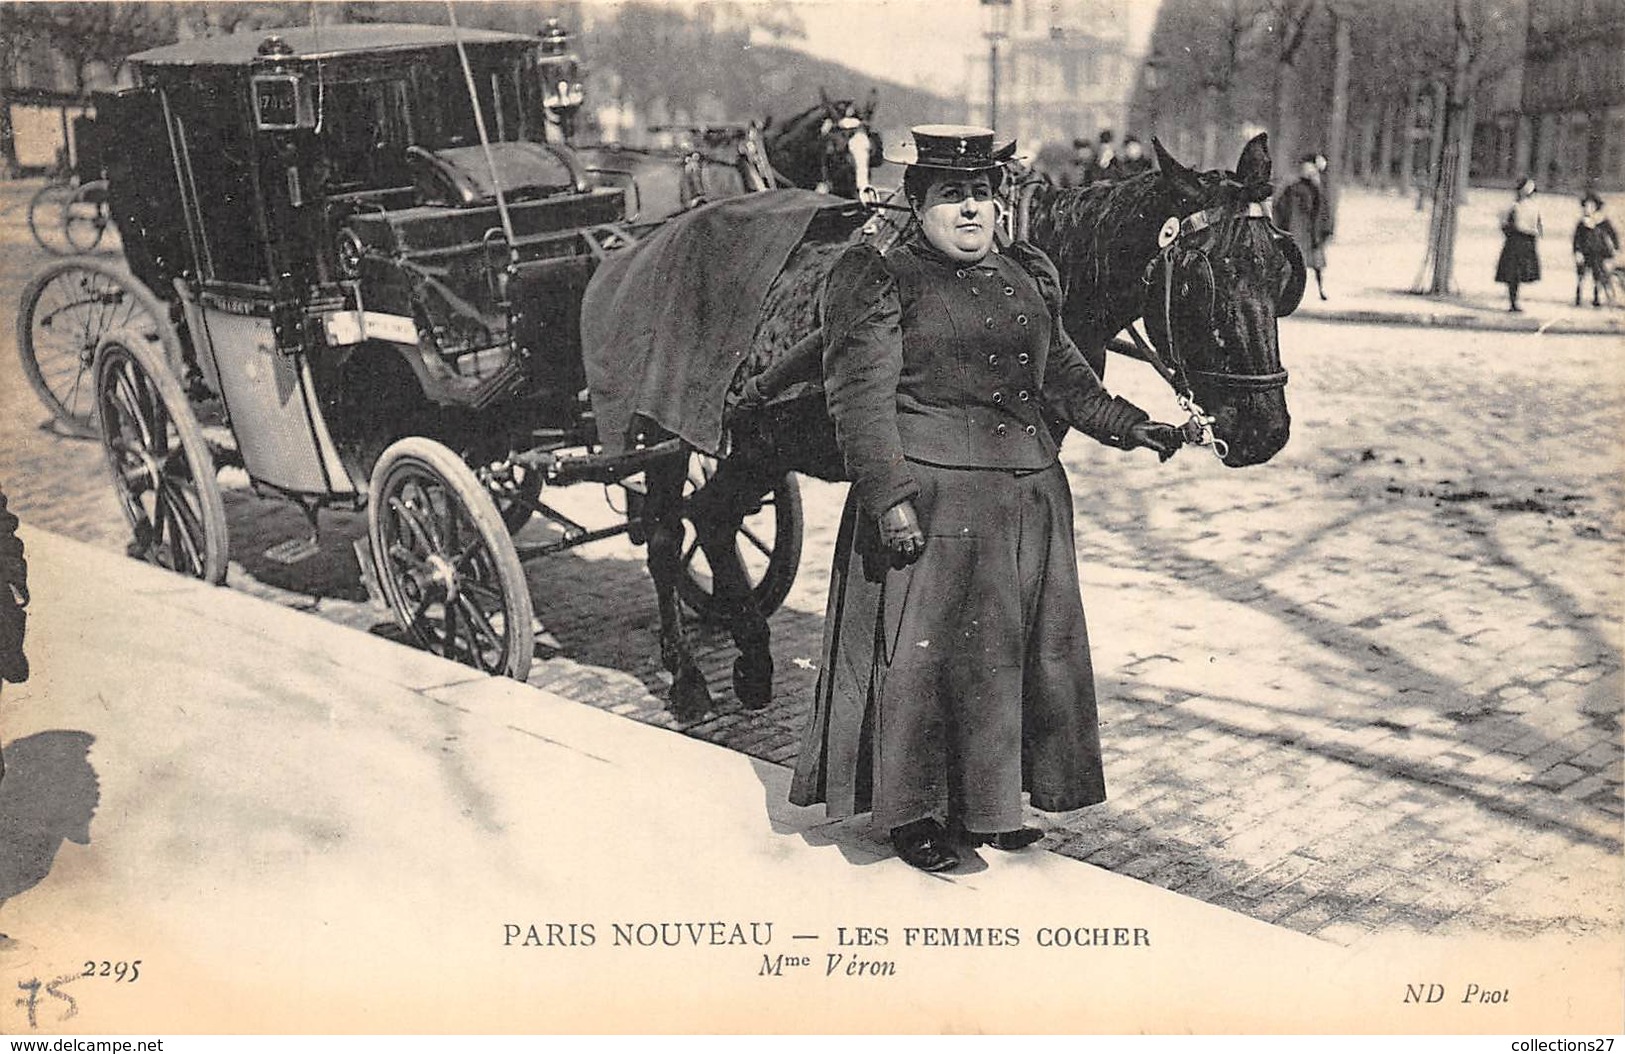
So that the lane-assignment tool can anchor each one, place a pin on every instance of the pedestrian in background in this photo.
(1328, 189)
(13, 598)
(1595, 243)
(1107, 164)
(955, 670)
(1519, 263)
(1083, 170)
(1133, 162)
(1301, 211)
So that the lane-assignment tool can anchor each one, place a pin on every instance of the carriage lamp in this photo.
(349, 253)
(560, 68)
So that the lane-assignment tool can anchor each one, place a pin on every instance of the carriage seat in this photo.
(460, 177)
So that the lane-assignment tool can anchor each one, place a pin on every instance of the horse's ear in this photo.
(1254, 166)
(872, 102)
(1180, 180)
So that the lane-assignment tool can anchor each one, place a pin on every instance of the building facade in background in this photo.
(1574, 93)
(1064, 71)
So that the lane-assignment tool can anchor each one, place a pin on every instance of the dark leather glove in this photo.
(901, 534)
(1154, 435)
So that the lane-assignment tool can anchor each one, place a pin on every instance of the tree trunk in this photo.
(1342, 50)
(1455, 157)
(1210, 130)
(1407, 142)
(1361, 162)
(1283, 136)
(1437, 142)
(1393, 117)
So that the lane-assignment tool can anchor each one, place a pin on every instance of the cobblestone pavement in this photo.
(1372, 686)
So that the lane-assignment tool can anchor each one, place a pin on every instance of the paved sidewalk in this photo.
(324, 831)
(1375, 261)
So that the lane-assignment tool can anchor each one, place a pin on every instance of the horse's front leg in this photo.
(690, 698)
(718, 512)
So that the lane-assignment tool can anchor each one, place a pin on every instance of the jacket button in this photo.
(1009, 290)
(961, 274)
(988, 323)
(1021, 319)
(975, 292)
(1024, 395)
(992, 360)
(1030, 430)
(998, 397)
(1000, 430)
(1024, 358)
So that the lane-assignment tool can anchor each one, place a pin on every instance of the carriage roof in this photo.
(312, 43)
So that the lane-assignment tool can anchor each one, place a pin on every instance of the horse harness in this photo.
(1176, 258)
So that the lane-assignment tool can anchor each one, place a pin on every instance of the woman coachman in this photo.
(956, 668)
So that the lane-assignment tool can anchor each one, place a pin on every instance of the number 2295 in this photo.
(120, 971)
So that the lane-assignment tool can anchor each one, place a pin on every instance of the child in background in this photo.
(1595, 243)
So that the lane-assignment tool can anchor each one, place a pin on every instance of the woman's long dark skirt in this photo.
(949, 687)
(1519, 261)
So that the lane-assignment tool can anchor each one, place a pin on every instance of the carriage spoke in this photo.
(402, 555)
(761, 546)
(185, 527)
(448, 640)
(479, 624)
(409, 517)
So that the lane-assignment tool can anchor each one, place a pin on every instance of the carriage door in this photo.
(253, 332)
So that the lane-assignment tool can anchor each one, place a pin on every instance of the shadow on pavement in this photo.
(49, 795)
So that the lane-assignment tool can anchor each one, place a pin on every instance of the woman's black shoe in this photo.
(924, 844)
(1009, 841)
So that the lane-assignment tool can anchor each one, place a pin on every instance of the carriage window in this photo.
(450, 117)
(366, 127)
(220, 159)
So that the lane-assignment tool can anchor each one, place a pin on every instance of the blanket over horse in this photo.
(667, 324)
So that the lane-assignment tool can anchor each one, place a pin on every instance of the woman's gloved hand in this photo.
(901, 534)
(1165, 439)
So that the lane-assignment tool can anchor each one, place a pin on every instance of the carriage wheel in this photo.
(46, 212)
(447, 566)
(161, 465)
(85, 216)
(68, 311)
(768, 543)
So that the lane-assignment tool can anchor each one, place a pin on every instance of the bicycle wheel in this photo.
(85, 216)
(47, 213)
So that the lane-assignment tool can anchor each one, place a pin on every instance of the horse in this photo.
(827, 147)
(1194, 254)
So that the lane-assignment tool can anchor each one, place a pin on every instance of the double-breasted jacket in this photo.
(932, 360)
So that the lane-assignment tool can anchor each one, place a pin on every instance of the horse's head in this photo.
(1222, 276)
(848, 147)
(827, 147)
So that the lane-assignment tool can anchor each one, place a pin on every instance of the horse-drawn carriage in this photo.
(348, 280)
(358, 268)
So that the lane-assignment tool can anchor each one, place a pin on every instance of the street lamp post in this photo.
(998, 14)
(1153, 88)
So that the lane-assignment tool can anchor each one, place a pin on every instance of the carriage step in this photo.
(293, 551)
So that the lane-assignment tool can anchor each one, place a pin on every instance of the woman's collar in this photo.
(922, 246)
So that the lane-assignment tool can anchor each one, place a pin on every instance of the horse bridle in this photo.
(1173, 368)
